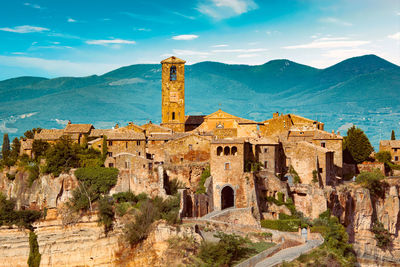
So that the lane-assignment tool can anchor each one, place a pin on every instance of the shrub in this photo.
(291, 225)
(93, 182)
(373, 182)
(295, 175)
(201, 189)
(139, 228)
(122, 208)
(383, 156)
(173, 186)
(33, 169)
(125, 197)
(315, 176)
(106, 213)
(280, 197)
(382, 236)
(10, 176)
(226, 252)
(34, 255)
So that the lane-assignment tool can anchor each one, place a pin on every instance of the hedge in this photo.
(282, 225)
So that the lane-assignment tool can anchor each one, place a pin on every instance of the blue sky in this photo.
(77, 38)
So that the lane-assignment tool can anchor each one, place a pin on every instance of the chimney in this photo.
(275, 115)
(116, 126)
(69, 122)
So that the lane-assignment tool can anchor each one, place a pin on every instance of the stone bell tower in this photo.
(173, 94)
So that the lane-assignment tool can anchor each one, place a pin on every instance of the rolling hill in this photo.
(363, 90)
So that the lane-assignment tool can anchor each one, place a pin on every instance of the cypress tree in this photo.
(15, 147)
(104, 148)
(393, 136)
(6, 146)
(357, 144)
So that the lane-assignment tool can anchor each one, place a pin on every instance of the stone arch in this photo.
(234, 150)
(227, 197)
(227, 150)
(219, 151)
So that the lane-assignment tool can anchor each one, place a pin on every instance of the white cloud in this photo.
(58, 67)
(33, 5)
(110, 42)
(61, 122)
(24, 29)
(71, 20)
(18, 53)
(253, 50)
(345, 127)
(395, 36)
(335, 21)
(185, 37)
(220, 9)
(190, 53)
(142, 29)
(184, 16)
(221, 45)
(329, 43)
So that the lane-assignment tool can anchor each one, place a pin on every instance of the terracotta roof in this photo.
(391, 143)
(124, 135)
(319, 134)
(99, 132)
(78, 128)
(159, 137)
(155, 128)
(49, 134)
(225, 115)
(95, 141)
(194, 119)
(263, 141)
(173, 60)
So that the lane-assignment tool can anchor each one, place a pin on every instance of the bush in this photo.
(291, 225)
(383, 156)
(34, 255)
(139, 228)
(122, 208)
(10, 176)
(173, 186)
(382, 236)
(204, 175)
(373, 182)
(295, 175)
(106, 213)
(93, 182)
(125, 197)
(229, 249)
(33, 169)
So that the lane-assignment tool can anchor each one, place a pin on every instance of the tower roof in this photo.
(173, 60)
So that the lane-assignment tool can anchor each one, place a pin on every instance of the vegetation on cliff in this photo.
(374, 182)
(382, 235)
(34, 255)
(201, 189)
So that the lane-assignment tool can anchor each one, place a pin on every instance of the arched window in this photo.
(234, 151)
(227, 150)
(219, 151)
(173, 115)
(172, 73)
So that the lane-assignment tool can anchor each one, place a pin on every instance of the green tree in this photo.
(104, 148)
(15, 148)
(106, 213)
(6, 146)
(357, 144)
(34, 255)
(39, 148)
(393, 137)
(383, 156)
(373, 181)
(30, 134)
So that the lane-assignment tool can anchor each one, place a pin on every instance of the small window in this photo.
(99, 146)
(126, 144)
(265, 150)
(320, 170)
(127, 165)
(110, 143)
(181, 159)
(173, 115)
(395, 149)
(109, 154)
(301, 132)
(323, 144)
(172, 73)
(265, 164)
(111, 165)
(144, 166)
(139, 153)
(219, 151)
(234, 151)
(227, 166)
(150, 166)
(227, 151)
(190, 147)
(138, 143)
(396, 158)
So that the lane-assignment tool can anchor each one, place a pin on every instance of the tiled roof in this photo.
(228, 141)
(392, 143)
(159, 137)
(49, 134)
(99, 132)
(194, 119)
(125, 135)
(173, 60)
(78, 128)
(263, 141)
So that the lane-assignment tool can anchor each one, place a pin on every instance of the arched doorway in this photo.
(227, 197)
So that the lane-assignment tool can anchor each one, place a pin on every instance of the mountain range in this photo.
(364, 91)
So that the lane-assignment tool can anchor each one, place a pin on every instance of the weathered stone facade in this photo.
(393, 146)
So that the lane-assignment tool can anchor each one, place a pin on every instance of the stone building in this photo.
(393, 146)
(173, 94)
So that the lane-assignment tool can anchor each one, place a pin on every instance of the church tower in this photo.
(173, 94)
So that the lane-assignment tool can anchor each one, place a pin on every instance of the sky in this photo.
(51, 38)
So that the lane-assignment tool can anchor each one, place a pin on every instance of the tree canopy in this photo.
(357, 144)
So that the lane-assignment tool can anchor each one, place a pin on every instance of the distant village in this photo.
(248, 161)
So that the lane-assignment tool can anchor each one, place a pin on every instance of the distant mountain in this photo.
(362, 90)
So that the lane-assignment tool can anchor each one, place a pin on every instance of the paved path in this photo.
(289, 254)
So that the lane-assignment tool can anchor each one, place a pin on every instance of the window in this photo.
(227, 151)
(109, 154)
(395, 149)
(266, 164)
(138, 143)
(126, 144)
(110, 143)
(265, 150)
(320, 170)
(173, 115)
(227, 166)
(323, 144)
(139, 153)
(219, 151)
(127, 165)
(111, 165)
(181, 159)
(396, 158)
(234, 151)
(172, 73)
(190, 147)
(150, 166)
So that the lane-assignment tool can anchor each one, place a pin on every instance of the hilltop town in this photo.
(228, 170)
